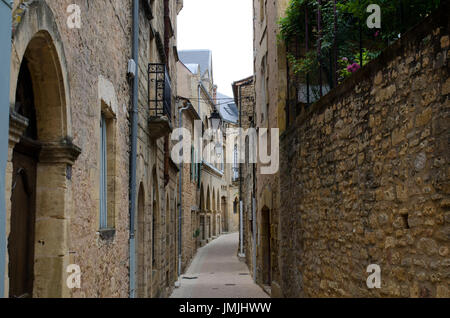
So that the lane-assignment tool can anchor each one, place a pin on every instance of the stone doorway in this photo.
(141, 248)
(23, 193)
(266, 247)
(39, 172)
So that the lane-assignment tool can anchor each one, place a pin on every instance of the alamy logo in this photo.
(74, 19)
(233, 146)
(374, 20)
(74, 279)
(374, 279)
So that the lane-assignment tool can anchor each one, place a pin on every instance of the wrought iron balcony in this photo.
(159, 100)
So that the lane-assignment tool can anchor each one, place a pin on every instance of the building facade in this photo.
(68, 172)
(363, 180)
(156, 221)
(230, 201)
(271, 84)
(209, 191)
(244, 95)
(364, 177)
(200, 88)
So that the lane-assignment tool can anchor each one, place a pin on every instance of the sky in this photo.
(226, 28)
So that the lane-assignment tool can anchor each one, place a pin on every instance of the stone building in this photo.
(68, 171)
(270, 85)
(363, 174)
(244, 95)
(199, 87)
(189, 195)
(365, 177)
(156, 221)
(230, 200)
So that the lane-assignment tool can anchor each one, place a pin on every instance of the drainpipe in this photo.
(5, 51)
(180, 201)
(134, 131)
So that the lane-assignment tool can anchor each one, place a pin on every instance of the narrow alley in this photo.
(216, 272)
(155, 149)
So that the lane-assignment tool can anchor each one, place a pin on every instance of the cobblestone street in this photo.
(216, 272)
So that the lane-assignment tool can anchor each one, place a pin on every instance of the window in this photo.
(106, 158)
(103, 175)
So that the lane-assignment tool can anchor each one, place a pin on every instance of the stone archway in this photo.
(156, 235)
(141, 277)
(40, 130)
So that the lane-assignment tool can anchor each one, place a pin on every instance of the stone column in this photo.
(54, 205)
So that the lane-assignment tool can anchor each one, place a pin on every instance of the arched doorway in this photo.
(141, 268)
(23, 192)
(168, 247)
(266, 247)
(156, 238)
(224, 215)
(40, 160)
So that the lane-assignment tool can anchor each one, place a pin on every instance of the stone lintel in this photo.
(59, 152)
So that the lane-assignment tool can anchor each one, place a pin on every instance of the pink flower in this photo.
(377, 34)
(355, 67)
(345, 59)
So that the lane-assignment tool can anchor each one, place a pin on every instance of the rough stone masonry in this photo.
(365, 178)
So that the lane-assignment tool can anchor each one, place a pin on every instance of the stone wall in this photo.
(93, 75)
(365, 178)
(90, 53)
(151, 162)
(245, 91)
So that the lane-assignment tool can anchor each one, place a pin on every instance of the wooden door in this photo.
(23, 215)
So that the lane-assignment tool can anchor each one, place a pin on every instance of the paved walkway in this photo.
(216, 272)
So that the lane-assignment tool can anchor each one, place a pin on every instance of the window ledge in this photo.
(107, 234)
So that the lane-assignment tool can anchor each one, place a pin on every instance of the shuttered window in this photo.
(103, 176)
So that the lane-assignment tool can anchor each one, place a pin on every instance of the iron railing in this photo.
(159, 91)
(331, 43)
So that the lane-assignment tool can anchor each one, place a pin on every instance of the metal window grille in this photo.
(159, 91)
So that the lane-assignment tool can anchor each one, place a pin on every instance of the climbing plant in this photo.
(344, 35)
